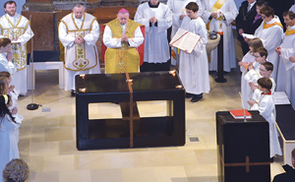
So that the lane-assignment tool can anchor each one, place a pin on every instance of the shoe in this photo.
(73, 93)
(196, 99)
(188, 95)
(271, 160)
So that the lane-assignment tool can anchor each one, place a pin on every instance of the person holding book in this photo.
(263, 102)
(271, 33)
(193, 67)
(253, 44)
(178, 13)
(285, 51)
(157, 18)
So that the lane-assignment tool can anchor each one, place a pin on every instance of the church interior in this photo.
(47, 140)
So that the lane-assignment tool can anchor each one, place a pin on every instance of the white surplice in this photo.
(271, 38)
(156, 49)
(284, 76)
(246, 90)
(9, 142)
(19, 26)
(266, 108)
(5, 65)
(193, 68)
(178, 8)
(230, 12)
(67, 39)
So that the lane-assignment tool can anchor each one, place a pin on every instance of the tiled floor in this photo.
(48, 141)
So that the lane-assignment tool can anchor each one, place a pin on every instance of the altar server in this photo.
(193, 68)
(271, 33)
(157, 18)
(122, 36)
(218, 15)
(266, 107)
(17, 28)
(79, 32)
(178, 13)
(285, 51)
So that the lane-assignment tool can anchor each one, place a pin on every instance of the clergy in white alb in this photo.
(17, 28)
(270, 33)
(193, 67)
(218, 15)
(79, 32)
(178, 13)
(122, 37)
(285, 51)
(6, 56)
(157, 18)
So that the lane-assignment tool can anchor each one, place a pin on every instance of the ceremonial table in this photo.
(242, 148)
(131, 130)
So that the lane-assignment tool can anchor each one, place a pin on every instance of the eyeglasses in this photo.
(263, 17)
(257, 56)
(262, 70)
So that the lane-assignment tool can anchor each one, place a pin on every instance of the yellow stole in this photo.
(124, 59)
(218, 4)
(289, 32)
(270, 25)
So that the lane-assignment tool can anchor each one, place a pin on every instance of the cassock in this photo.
(12, 27)
(286, 77)
(120, 57)
(178, 8)
(266, 108)
(6, 65)
(246, 90)
(83, 58)
(193, 68)
(156, 49)
(9, 142)
(230, 11)
(271, 34)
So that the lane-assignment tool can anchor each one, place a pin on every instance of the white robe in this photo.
(246, 90)
(193, 68)
(20, 77)
(266, 108)
(284, 78)
(271, 38)
(292, 8)
(9, 142)
(5, 65)
(68, 42)
(156, 49)
(178, 8)
(230, 12)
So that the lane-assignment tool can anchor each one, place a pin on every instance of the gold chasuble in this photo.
(289, 32)
(12, 31)
(218, 4)
(80, 57)
(124, 59)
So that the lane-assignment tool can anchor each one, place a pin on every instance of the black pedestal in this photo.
(147, 131)
(243, 148)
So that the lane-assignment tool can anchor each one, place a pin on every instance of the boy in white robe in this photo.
(285, 51)
(249, 58)
(157, 18)
(193, 68)
(178, 13)
(266, 107)
(228, 11)
(270, 32)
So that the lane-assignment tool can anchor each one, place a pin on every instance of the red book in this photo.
(239, 114)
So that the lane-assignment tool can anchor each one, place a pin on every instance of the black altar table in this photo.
(131, 128)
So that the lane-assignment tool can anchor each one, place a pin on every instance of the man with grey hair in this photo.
(79, 32)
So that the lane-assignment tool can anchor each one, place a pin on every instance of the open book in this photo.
(185, 40)
(248, 36)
